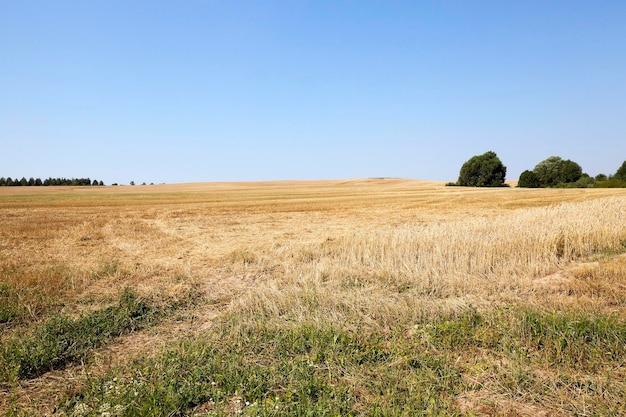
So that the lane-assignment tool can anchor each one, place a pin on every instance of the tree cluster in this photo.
(49, 182)
(556, 172)
(487, 170)
(551, 172)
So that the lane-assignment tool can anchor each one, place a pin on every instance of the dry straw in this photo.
(416, 270)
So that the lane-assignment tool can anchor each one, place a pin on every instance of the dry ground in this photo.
(377, 252)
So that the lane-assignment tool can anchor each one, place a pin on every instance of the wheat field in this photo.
(356, 297)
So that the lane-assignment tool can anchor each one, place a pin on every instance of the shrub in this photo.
(528, 179)
(612, 183)
(585, 181)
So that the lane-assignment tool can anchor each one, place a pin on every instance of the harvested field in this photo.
(356, 297)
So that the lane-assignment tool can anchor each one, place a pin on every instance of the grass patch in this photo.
(259, 369)
(576, 339)
(517, 357)
(10, 309)
(28, 294)
(567, 362)
(61, 341)
(579, 340)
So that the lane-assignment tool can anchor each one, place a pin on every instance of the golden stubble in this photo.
(389, 235)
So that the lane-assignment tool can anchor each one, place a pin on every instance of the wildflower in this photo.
(81, 409)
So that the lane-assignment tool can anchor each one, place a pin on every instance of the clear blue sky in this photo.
(186, 91)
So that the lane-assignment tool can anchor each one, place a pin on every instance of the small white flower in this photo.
(81, 409)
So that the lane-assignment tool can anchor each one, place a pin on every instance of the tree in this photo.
(484, 170)
(572, 172)
(528, 179)
(621, 172)
(554, 171)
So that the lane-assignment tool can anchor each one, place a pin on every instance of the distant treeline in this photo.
(36, 182)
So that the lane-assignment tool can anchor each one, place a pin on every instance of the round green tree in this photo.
(554, 171)
(484, 170)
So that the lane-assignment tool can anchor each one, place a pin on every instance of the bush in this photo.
(612, 183)
(528, 179)
(585, 181)
(484, 170)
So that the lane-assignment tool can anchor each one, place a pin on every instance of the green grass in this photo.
(61, 341)
(269, 367)
(568, 362)
(576, 339)
(302, 369)
(10, 309)
(572, 358)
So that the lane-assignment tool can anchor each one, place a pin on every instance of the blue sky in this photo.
(186, 91)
